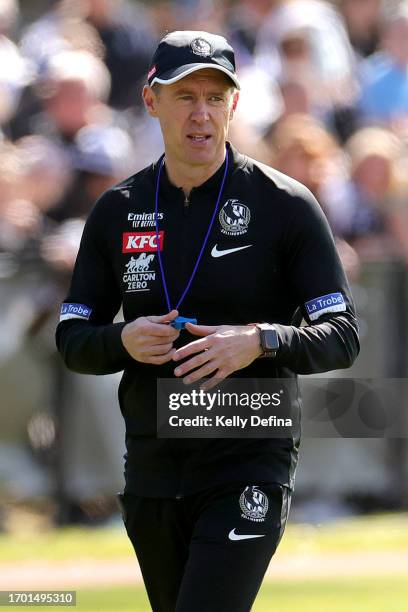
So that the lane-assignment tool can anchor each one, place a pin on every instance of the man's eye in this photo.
(186, 97)
(216, 99)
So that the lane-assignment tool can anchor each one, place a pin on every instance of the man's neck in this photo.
(187, 176)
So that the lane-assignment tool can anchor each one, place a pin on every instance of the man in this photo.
(230, 242)
(384, 81)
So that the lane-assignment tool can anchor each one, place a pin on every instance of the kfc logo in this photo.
(142, 242)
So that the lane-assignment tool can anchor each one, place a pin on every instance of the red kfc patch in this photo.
(141, 242)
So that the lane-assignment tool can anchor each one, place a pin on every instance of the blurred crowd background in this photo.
(324, 99)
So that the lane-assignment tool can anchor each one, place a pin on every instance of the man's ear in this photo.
(234, 104)
(149, 100)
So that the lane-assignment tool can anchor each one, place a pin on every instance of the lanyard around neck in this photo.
(163, 275)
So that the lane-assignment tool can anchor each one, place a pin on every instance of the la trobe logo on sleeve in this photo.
(332, 302)
(75, 311)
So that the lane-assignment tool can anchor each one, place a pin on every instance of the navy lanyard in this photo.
(163, 275)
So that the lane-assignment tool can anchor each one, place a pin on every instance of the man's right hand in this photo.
(150, 339)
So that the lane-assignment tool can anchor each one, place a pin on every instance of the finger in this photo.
(159, 359)
(148, 348)
(195, 362)
(153, 341)
(156, 340)
(201, 330)
(157, 349)
(159, 329)
(144, 344)
(167, 318)
(190, 349)
(205, 370)
(214, 381)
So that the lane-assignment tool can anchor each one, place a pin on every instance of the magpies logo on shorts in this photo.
(254, 504)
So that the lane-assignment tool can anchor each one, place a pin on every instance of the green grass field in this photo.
(311, 596)
(387, 532)
(375, 535)
(349, 595)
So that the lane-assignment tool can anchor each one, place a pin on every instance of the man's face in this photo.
(396, 42)
(194, 115)
(70, 106)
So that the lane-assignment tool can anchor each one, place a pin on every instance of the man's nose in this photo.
(200, 112)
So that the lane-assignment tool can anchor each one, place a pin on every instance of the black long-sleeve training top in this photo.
(270, 251)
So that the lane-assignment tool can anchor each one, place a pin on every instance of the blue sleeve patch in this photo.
(332, 302)
(75, 311)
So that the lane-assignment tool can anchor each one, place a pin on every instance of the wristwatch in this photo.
(269, 339)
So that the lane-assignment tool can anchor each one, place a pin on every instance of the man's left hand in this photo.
(222, 349)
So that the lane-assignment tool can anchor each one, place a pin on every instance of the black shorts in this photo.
(206, 552)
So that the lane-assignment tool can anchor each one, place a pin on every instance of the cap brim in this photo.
(172, 76)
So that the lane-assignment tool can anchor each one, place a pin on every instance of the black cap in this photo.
(181, 53)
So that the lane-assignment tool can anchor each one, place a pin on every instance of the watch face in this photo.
(270, 340)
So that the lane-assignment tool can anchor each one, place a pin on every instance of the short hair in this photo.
(306, 133)
(156, 87)
(10, 164)
(8, 13)
(80, 66)
(397, 14)
(370, 141)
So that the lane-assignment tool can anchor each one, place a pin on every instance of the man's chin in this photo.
(203, 155)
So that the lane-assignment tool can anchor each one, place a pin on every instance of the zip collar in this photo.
(236, 161)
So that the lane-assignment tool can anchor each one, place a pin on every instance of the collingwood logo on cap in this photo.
(202, 47)
(182, 52)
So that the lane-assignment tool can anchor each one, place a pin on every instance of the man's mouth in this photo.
(199, 137)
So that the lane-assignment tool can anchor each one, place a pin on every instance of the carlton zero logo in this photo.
(141, 242)
(138, 273)
(254, 504)
(234, 218)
